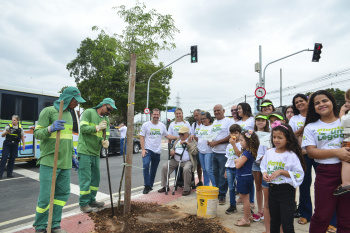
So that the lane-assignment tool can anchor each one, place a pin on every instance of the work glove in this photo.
(101, 126)
(105, 144)
(75, 163)
(56, 125)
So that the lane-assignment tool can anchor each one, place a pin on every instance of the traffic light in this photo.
(317, 52)
(194, 55)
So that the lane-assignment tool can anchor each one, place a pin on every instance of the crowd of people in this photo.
(264, 157)
(267, 156)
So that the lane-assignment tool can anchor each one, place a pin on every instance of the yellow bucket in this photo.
(207, 201)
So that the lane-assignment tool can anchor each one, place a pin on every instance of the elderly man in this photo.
(234, 113)
(188, 161)
(220, 127)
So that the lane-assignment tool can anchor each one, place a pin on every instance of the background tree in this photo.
(102, 65)
(338, 95)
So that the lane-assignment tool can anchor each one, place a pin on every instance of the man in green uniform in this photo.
(46, 131)
(92, 124)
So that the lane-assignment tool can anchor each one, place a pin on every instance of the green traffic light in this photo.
(193, 58)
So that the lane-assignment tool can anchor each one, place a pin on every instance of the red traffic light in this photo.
(317, 52)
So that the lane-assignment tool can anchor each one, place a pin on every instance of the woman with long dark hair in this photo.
(322, 139)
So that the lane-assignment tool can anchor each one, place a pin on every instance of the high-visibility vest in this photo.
(15, 134)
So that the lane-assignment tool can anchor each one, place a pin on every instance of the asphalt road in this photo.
(19, 195)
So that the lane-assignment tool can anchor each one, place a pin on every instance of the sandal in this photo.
(258, 216)
(239, 202)
(242, 223)
(302, 221)
(341, 190)
(331, 229)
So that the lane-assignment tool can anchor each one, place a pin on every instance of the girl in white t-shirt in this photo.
(262, 129)
(322, 139)
(283, 168)
(246, 119)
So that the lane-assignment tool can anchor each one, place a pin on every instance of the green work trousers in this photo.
(89, 178)
(62, 191)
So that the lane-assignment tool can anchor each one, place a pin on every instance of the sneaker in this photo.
(296, 211)
(222, 200)
(146, 190)
(257, 217)
(97, 204)
(200, 183)
(58, 230)
(10, 176)
(232, 209)
(86, 209)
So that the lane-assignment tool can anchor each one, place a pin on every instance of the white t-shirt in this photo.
(324, 136)
(122, 131)
(179, 149)
(247, 125)
(202, 145)
(287, 161)
(194, 131)
(222, 127)
(264, 138)
(231, 155)
(174, 127)
(153, 135)
(296, 122)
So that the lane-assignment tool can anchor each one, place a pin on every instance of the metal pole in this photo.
(261, 80)
(157, 72)
(245, 98)
(282, 59)
(280, 86)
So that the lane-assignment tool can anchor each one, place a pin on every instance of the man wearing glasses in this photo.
(92, 124)
(234, 113)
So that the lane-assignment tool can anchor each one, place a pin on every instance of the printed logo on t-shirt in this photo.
(177, 128)
(216, 128)
(203, 132)
(197, 130)
(330, 134)
(231, 154)
(300, 124)
(155, 132)
(242, 126)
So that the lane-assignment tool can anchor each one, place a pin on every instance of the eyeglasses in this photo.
(234, 110)
(181, 134)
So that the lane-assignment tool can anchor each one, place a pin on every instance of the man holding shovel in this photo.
(46, 131)
(188, 160)
(92, 124)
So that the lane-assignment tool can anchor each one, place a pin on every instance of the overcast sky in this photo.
(39, 37)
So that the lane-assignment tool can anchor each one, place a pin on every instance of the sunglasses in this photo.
(234, 110)
(181, 134)
(109, 109)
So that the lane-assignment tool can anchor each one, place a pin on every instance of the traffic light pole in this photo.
(157, 72)
(263, 79)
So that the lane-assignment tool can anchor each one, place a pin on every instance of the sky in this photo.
(39, 37)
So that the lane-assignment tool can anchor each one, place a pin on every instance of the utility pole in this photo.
(280, 86)
(129, 133)
(178, 100)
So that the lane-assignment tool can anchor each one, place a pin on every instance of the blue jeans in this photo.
(231, 180)
(10, 151)
(122, 148)
(206, 161)
(252, 193)
(305, 205)
(219, 161)
(150, 165)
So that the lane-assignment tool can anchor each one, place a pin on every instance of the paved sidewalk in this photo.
(77, 222)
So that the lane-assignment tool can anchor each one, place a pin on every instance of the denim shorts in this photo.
(264, 184)
(256, 167)
(245, 184)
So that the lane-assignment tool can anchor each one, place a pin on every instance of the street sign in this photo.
(260, 92)
(146, 111)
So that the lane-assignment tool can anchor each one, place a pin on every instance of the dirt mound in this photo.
(146, 217)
